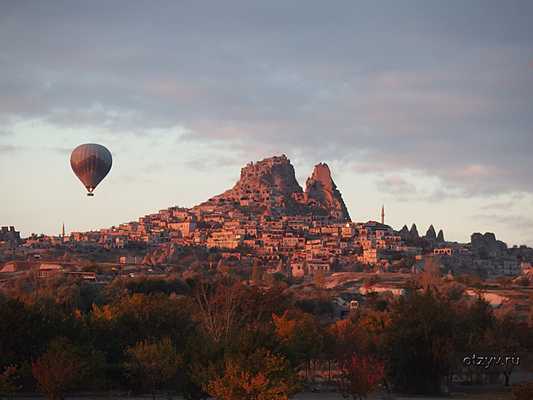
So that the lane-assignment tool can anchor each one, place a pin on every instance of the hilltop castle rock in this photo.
(270, 187)
(321, 191)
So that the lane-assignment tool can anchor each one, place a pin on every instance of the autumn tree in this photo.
(57, 370)
(301, 337)
(261, 376)
(347, 339)
(217, 308)
(420, 342)
(359, 375)
(132, 319)
(341, 340)
(155, 363)
(430, 277)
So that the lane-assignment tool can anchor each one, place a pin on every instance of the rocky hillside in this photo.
(270, 187)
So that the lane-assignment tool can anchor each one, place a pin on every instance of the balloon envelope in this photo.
(91, 163)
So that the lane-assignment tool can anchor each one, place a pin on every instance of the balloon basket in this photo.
(90, 194)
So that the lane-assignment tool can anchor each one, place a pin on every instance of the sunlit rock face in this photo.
(270, 187)
(321, 192)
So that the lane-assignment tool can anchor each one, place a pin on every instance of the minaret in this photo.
(383, 214)
(63, 231)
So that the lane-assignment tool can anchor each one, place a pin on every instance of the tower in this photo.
(63, 231)
(383, 214)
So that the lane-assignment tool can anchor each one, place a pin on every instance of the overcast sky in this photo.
(424, 106)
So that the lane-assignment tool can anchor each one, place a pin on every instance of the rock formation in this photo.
(431, 234)
(270, 187)
(440, 237)
(404, 233)
(321, 192)
(486, 245)
(267, 183)
(9, 234)
(414, 232)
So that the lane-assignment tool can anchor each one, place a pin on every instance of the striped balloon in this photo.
(91, 163)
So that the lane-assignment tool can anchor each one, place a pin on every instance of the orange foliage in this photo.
(55, 371)
(360, 375)
(284, 326)
(267, 378)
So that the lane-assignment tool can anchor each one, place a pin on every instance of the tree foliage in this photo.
(57, 370)
(261, 376)
(154, 363)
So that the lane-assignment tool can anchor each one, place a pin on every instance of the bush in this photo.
(523, 392)
(262, 376)
(56, 370)
(154, 363)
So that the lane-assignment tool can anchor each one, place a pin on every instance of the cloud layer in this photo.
(442, 91)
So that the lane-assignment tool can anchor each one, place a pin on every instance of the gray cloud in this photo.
(427, 87)
(503, 205)
(519, 222)
(8, 148)
(211, 163)
(397, 186)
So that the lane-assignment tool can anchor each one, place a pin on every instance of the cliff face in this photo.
(321, 192)
(270, 187)
(266, 186)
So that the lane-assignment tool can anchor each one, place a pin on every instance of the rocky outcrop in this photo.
(321, 192)
(9, 234)
(431, 234)
(270, 183)
(414, 232)
(404, 233)
(270, 187)
(440, 237)
(168, 253)
(486, 245)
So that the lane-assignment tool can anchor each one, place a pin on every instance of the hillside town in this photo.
(266, 222)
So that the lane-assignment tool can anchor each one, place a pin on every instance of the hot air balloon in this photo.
(91, 163)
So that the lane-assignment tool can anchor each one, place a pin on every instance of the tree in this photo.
(57, 370)
(217, 307)
(431, 275)
(155, 363)
(7, 384)
(421, 342)
(301, 337)
(347, 339)
(359, 375)
(262, 376)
